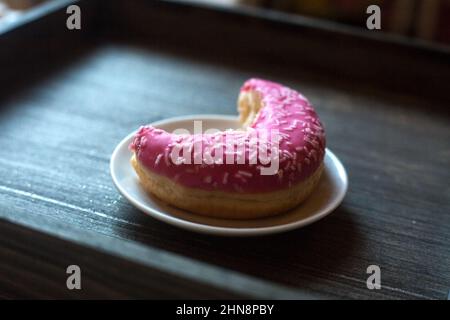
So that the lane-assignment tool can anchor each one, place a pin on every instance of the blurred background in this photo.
(421, 19)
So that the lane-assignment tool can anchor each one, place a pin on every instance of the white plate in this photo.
(326, 197)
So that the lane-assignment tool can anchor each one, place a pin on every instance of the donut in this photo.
(267, 167)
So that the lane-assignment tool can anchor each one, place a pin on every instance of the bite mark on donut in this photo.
(263, 106)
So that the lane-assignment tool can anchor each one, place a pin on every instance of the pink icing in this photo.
(302, 146)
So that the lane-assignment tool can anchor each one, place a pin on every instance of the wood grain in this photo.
(64, 108)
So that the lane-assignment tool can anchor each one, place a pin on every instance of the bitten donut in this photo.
(269, 166)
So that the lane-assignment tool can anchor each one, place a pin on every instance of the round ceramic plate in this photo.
(325, 198)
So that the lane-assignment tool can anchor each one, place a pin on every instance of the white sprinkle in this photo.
(225, 178)
(158, 159)
(288, 154)
(238, 176)
(314, 143)
(245, 173)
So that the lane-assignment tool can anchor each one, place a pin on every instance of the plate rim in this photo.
(215, 230)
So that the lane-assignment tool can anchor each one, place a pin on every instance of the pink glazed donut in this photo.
(269, 166)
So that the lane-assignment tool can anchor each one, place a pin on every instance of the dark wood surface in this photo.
(65, 106)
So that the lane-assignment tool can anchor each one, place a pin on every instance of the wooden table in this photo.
(68, 97)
